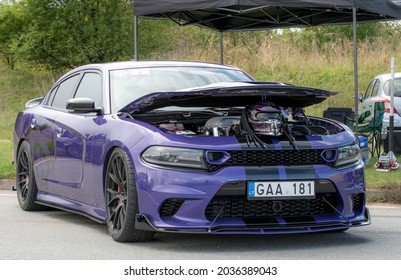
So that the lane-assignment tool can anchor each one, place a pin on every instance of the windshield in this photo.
(397, 87)
(127, 85)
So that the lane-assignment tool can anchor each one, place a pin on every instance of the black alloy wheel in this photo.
(121, 200)
(25, 181)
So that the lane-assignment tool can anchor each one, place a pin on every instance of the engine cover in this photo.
(265, 119)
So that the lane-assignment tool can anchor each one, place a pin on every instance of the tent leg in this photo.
(390, 134)
(356, 101)
(221, 48)
(136, 38)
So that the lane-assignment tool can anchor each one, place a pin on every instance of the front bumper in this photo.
(143, 223)
(180, 201)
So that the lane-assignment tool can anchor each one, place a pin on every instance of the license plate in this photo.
(281, 189)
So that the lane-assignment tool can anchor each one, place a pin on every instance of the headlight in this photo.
(347, 155)
(176, 157)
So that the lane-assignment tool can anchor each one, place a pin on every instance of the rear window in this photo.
(397, 87)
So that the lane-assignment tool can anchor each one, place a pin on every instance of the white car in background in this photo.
(379, 91)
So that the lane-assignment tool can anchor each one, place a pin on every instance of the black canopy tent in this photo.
(243, 15)
(235, 15)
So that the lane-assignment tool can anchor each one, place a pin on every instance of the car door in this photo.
(56, 107)
(366, 108)
(41, 137)
(73, 141)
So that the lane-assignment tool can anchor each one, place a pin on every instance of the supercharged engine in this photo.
(256, 122)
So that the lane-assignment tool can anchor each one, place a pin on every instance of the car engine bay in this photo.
(254, 121)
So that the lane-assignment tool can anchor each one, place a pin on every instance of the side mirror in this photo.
(33, 102)
(82, 105)
(360, 97)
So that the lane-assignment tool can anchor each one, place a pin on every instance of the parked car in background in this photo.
(186, 147)
(379, 91)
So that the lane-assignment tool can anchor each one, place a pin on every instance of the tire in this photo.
(25, 181)
(122, 200)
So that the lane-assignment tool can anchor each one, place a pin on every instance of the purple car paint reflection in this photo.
(151, 147)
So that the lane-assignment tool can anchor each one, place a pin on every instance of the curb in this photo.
(6, 184)
(392, 195)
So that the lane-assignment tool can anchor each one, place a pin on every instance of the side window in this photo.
(64, 92)
(51, 96)
(369, 91)
(397, 87)
(376, 88)
(90, 87)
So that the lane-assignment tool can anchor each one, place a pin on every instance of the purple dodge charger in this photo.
(186, 147)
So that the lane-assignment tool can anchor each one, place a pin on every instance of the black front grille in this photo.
(358, 200)
(241, 207)
(275, 157)
(170, 207)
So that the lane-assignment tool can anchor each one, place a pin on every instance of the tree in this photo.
(11, 26)
(68, 33)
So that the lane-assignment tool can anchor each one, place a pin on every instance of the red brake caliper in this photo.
(118, 190)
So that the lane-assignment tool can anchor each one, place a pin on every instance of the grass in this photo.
(7, 170)
(16, 88)
(280, 59)
(383, 186)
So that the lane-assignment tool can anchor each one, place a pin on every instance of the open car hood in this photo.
(232, 94)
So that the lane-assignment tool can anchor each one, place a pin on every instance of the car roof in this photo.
(139, 64)
(105, 67)
(387, 76)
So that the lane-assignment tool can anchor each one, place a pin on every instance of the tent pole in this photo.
(136, 38)
(221, 48)
(356, 99)
(391, 126)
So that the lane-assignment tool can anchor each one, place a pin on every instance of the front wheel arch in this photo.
(121, 200)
